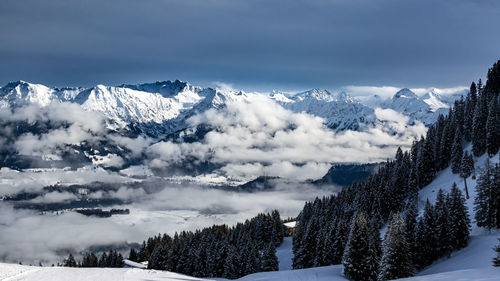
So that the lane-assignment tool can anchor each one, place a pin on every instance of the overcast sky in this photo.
(254, 45)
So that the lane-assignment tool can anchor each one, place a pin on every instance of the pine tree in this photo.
(478, 126)
(357, 250)
(426, 238)
(457, 153)
(492, 128)
(496, 193)
(375, 250)
(425, 161)
(484, 202)
(340, 240)
(158, 259)
(410, 219)
(496, 260)
(133, 255)
(70, 262)
(443, 226)
(232, 265)
(396, 256)
(459, 219)
(269, 259)
(143, 253)
(466, 169)
(469, 112)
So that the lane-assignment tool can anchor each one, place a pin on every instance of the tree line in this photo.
(217, 251)
(110, 259)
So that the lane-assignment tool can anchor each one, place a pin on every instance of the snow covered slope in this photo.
(285, 254)
(479, 253)
(15, 272)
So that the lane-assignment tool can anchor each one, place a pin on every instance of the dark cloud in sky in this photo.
(257, 45)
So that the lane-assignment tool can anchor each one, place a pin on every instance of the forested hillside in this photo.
(344, 227)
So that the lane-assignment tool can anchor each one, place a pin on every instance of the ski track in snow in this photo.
(285, 254)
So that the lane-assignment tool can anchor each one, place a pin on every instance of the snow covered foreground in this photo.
(332, 273)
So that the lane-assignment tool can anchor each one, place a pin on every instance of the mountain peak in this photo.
(316, 94)
(405, 93)
(14, 84)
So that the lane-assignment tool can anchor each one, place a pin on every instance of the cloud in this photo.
(31, 237)
(256, 136)
(54, 126)
(110, 160)
(54, 197)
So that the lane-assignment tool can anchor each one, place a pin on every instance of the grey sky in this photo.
(255, 45)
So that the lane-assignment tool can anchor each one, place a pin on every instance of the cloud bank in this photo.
(259, 137)
(30, 237)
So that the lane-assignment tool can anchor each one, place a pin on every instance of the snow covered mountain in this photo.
(340, 111)
(425, 109)
(163, 107)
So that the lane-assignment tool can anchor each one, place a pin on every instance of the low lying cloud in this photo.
(54, 197)
(31, 237)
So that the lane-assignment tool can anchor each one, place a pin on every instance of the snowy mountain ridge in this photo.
(163, 107)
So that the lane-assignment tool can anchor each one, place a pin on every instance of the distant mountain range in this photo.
(162, 108)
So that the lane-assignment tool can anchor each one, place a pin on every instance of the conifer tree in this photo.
(269, 259)
(457, 153)
(410, 219)
(339, 242)
(396, 256)
(425, 161)
(443, 226)
(459, 219)
(484, 205)
(469, 112)
(133, 255)
(143, 253)
(375, 249)
(103, 260)
(426, 239)
(496, 260)
(493, 128)
(70, 262)
(496, 193)
(232, 265)
(357, 250)
(158, 258)
(478, 126)
(466, 169)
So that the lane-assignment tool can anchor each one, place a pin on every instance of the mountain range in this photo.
(161, 108)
